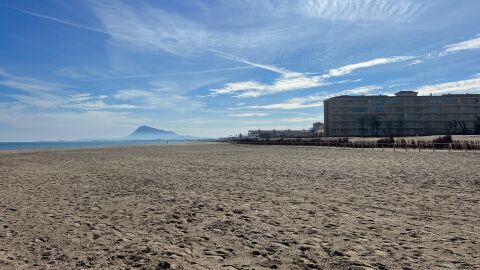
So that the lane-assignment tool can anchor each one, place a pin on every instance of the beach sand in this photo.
(222, 206)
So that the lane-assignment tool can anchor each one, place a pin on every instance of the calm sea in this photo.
(80, 144)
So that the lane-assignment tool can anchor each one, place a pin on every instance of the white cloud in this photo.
(308, 120)
(37, 93)
(338, 10)
(464, 86)
(45, 101)
(361, 10)
(27, 126)
(285, 72)
(86, 101)
(282, 84)
(219, 70)
(29, 85)
(79, 73)
(54, 19)
(314, 101)
(34, 92)
(154, 99)
(464, 45)
(150, 28)
(345, 70)
(256, 114)
(416, 62)
(290, 80)
(395, 85)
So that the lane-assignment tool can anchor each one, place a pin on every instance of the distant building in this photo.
(405, 114)
(318, 129)
(287, 133)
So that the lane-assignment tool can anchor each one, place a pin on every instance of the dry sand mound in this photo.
(221, 206)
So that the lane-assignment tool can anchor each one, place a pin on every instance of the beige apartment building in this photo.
(405, 114)
(317, 130)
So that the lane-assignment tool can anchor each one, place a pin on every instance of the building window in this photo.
(379, 109)
(359, 109)
(449, 100)
(395, 101)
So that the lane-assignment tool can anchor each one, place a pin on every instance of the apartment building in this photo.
(286, 133)
(317, 130)
(405, 114)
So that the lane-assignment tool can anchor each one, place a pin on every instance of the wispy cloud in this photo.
(361, 10)
(256, 114)
(47, 95)
(89, 102)
(340, 10)
(79, 73)
(30, 126)
(150, 28)
(158, 99)
(470, 44)
(314, 101)
(290, 80)
(112, 78)
(29, 85)
(345, 70)
(285, 72)
(32, 92)
(256, 89)
(55, 19)
(463, 86)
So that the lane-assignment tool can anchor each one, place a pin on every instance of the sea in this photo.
(78, 144)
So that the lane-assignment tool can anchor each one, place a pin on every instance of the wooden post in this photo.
(433, 147)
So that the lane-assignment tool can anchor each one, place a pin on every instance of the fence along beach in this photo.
(438, 143)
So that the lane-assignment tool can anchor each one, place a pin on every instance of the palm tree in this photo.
(388, 126)
(452, 127)
(463, 127)
(363, 121)
(401, 127)
(477, 125)
(374, 122)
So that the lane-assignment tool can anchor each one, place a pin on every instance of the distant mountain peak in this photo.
(147, 133)
(147, 129)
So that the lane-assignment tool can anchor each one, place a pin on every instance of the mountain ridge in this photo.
(147, 133)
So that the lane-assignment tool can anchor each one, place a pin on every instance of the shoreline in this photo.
(75, 146)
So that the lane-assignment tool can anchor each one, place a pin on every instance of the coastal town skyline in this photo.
(216, 68)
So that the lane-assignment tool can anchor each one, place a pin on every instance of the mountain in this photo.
(146, 133)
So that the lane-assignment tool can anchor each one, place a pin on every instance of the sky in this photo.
(98, 69)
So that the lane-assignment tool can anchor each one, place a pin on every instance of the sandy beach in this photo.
(223, 206)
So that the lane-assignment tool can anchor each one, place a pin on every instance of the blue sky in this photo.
(99, 69)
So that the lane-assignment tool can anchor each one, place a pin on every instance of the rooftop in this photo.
(403, 94)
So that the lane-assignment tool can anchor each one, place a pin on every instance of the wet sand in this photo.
(221, 206)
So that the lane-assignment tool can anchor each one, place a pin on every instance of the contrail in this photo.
(102, 31)
(61, 21)
(167, 74)
(239, 59)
